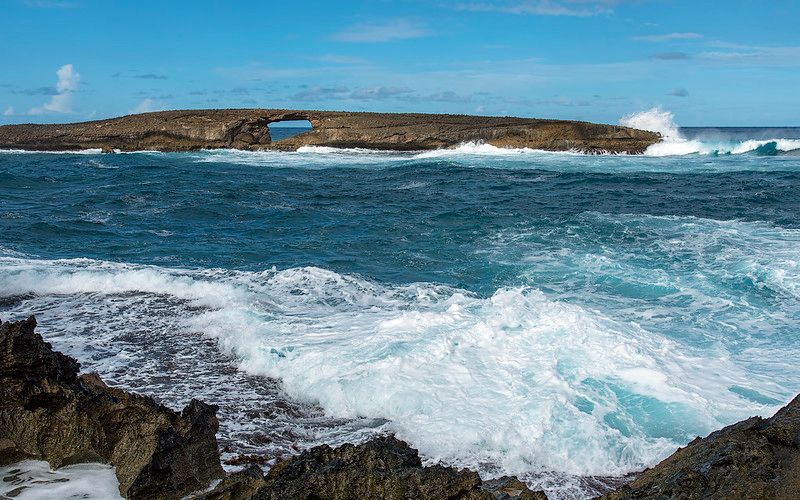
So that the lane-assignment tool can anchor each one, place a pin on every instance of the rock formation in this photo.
(49, 412)
(755, 458)
(381, 468)
(247, 129)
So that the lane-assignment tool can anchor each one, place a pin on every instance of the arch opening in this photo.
(285, 129)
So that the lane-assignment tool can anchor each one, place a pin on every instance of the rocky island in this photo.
(49, 411)
(247, 129)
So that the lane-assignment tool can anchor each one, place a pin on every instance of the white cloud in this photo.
(9, 111)
(396, 29)
(147, 105)
(668, 37)
(580, 8)
(68, 81)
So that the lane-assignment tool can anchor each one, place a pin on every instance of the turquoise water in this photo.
(556, 316)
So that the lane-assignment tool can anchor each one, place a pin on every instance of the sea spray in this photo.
(674, 142)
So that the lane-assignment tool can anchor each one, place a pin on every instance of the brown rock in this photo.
(755, 458)
(247, 129)
(49, 412)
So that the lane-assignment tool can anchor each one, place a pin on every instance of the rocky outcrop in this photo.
(381, 468)
(755, 458)
(50, 412)
(247, 129)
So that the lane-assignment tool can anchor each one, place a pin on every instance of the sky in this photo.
(712, 63)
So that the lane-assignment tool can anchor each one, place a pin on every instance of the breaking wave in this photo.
(515, 381)
(675, 143)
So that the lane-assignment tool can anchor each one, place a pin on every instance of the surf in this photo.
(675, 143)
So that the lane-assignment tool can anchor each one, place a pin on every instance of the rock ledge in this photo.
(248, 129)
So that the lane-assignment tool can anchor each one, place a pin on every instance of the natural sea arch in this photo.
(284, 129)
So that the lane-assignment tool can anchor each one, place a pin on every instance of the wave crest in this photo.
(674, 142)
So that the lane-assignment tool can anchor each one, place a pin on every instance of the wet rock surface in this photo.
(380, 468)
(50, 412)
(248, 129)
(754, 458)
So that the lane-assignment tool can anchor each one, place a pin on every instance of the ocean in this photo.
(566, 318)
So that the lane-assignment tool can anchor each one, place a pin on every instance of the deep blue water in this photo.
(550, 315)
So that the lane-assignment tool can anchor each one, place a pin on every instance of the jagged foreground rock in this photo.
(247, 129)
(754, 459)
(49, 412)
(384, 468)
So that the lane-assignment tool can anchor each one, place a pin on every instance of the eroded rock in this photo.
(385, 468)
(248, 129)
(755, 458)
(50, 412)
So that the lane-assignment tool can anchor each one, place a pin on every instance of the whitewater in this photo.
(566, 318)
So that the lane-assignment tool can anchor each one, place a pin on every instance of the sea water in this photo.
(563, 317)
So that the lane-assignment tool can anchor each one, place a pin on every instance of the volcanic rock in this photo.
(755, 458)
(248, 129)
(50, 412)
(384, 467)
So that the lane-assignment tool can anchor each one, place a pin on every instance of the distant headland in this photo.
(247, 129)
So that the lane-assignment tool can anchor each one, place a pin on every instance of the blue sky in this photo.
(711, 63)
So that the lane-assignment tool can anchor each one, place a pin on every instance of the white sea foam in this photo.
(33, 480)
(515, 382)
(91, 151)
(673, 143)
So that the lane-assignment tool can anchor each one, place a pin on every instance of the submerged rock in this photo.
(384, 468)
(755, 458)
(50, 412)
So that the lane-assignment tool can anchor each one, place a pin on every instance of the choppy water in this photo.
(556, 316)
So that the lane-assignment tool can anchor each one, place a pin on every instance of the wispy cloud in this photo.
(668, 37)
(320, 94)
(378, 93)
(580, 8)
(51, 4)
(68, 80)
(150, 76)
(341, 59)
(754, 55)
(147, 105)
(376, 32)
(10, 111)
(448, 96)
(47, 90)
(672, 56)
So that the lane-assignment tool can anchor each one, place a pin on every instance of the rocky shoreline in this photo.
(247, 129)
(49, 411)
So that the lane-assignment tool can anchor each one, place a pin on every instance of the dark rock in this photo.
(755, 458)
(240, 485)
(50, 412)
(385, 468)
(247, 459)
(248, 129)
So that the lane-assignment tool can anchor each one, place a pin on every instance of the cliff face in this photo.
(248, 129)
